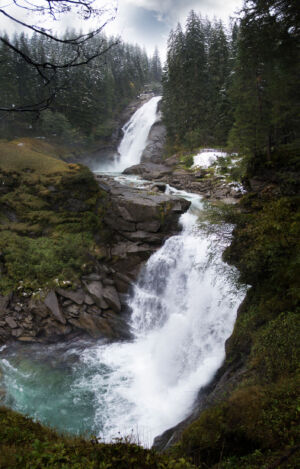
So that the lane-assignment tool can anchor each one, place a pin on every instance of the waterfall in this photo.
(183, 309)
(136, 132)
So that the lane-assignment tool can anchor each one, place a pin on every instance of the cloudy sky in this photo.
(148, 22)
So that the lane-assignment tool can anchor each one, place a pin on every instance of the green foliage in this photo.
(56, 124)
(253, 426)
(43, 259)
(25, 444)
(276, 348)
(89, 97)
(196, 106)
(51, 213)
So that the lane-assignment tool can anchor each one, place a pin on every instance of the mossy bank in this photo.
(249, 416)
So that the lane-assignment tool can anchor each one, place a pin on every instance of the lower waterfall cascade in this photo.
(183, 308)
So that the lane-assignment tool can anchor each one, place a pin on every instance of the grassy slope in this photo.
(25, 444)
(256, 424)
(50, 214)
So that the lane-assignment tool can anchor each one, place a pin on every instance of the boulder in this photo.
(149, 170)
(111, 297)
(11, 322)
(75, 296)
(96, 289)
(156, 141)
(52, 304)
(151, 226)
(95, 326)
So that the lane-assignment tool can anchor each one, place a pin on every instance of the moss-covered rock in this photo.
(50, 214)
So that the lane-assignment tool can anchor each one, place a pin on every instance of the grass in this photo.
(30, 154)
(50, 214)
(25, 444)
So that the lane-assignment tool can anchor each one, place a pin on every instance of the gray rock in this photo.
(143, 236)
(108, 281)
(11, 322)
(88, 322)
(156, 141)
(88, 300)
(151, 226)
(96, 290)
(17, 332)
(75, 296)
(52, 304)
(111, 297)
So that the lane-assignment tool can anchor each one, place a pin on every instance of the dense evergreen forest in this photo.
(87, 98)
(239, 85)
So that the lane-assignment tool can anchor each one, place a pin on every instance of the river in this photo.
(183, 308)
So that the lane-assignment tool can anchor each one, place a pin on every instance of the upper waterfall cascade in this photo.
(183, 309)
(136, 132)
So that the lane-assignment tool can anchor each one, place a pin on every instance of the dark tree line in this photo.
(239, 86)
(87, 98)
(196, 82)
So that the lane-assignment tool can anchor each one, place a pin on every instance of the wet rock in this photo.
(17, 332)
(156, 142)
(111, 297)
(149, 170)
(152, 226)
(160, 186)
(76, 296)
(122, 283)
(96, 289)
(88, 323)
(88, 300)
(52, 304)
(108, 281)
(11, 322)
(144, 236)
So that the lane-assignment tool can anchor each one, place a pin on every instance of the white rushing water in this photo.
(136, 132)
(183, 309)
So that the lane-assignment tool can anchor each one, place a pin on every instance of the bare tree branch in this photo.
(78, 54)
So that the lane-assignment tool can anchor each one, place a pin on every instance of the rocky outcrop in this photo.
(201, 181)
(156, 141)
(138, 222)
(91, 306)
